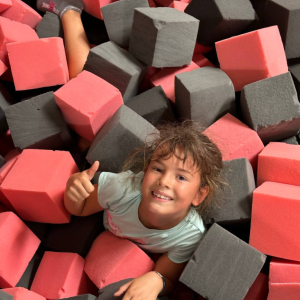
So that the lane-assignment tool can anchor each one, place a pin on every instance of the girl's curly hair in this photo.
(189, 139)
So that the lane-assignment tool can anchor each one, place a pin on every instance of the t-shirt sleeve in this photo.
(115, 190)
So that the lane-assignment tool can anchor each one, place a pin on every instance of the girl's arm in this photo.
(150, 284)
(80, 198)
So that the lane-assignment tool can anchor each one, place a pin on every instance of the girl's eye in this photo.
(181, 178)
(156, 169)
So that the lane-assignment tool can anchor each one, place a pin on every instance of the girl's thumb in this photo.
(92, 170)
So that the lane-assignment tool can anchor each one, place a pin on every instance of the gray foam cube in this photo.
(294, 68)
(38, 123)
(76, 236)
(50, 26)
(237, 198)
(286, 15)
(220, 19)
(5, 101)
(5, 296)
(124, 131)
(118, 18)
(118, 67)
(153, 105)
(81, 297)
(223, 267)
(291, 140)
(271, 107)
(204, 95)
(163, 37)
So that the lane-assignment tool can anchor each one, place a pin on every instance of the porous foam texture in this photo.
(278, 115)
(93, 7)
(23, 13)
(118, 19)
(120, 259)
(212, 271)
(5, 101)
(153, 105)
(11, 31)
(275, 220)
(220, 19)
(286, 15)
(204, 95)
(166, 78)
(294, 68)
(163, 37)
(118, 67)
(279, 162)
(5, 296)
(279, 291)
(20, 293)
(50, 26)
(36, 183)
(235, 139)
(252, 56)
(101, 101)
(291, 140)
(61, 275)
(284, 271)
(236, 202)
(15, 252)
(126, 129)
(76, 236)
(5, 4)
(36, 64)
(38, 123)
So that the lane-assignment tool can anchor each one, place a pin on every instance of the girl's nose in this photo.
(164, 180)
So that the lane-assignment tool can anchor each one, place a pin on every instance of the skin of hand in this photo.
(145, 287)
(79, 185)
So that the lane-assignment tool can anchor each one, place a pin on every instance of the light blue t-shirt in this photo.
(121, 201)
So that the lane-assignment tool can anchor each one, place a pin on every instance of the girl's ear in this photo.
(201, 195)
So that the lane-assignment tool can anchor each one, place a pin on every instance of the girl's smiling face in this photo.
(170, 186)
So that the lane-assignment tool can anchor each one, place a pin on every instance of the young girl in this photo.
(155, 202)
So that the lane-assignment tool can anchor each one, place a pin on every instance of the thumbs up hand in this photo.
(79, 185)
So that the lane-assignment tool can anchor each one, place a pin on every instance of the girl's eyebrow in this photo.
(178, 169)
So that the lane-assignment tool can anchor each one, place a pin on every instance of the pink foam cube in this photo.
(93, 7)
(3, 67)
(279, 162)
(36, 183)
(202, 61)
(146, 84)
(5, 4)
(235, 139)
(36, 64)
(166, 78)
(200, 48)
(284, 271)
(101, 101)
(284, 291)
(61, 275)
(11, 31)
(21, 293)
(179, 5)
(17, 247)
(259, 289)
(252, 56)
(275, 222)
(119, 259)
(23, 13)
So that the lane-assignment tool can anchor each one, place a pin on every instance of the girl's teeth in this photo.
(160, 196)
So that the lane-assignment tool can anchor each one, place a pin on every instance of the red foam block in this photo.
(113, 258)
(36, 183)
(11, 31)
(23, 13)
(166, 78)
(275, 221)
(17, 247)
(259, 289)
(235, 139)
(179, 5)
(252, 56)
(284, 291)
(5, 4)
(61, 275)
(202, 61)
(284, 271)
(36, 64)
(279, 162)
(93, 7)
(21, 293)
(101, 101)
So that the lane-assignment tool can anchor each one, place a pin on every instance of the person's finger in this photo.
(123, 288)
(74, 195)
(88, 186)
(81, 191)
(92, 170)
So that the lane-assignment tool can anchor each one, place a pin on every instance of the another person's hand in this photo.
(79, 185)
(146, 287)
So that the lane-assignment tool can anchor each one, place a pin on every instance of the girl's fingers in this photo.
(123, 288)
(88, 186)
(74, 195)
(92, 170)
(81, 191)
